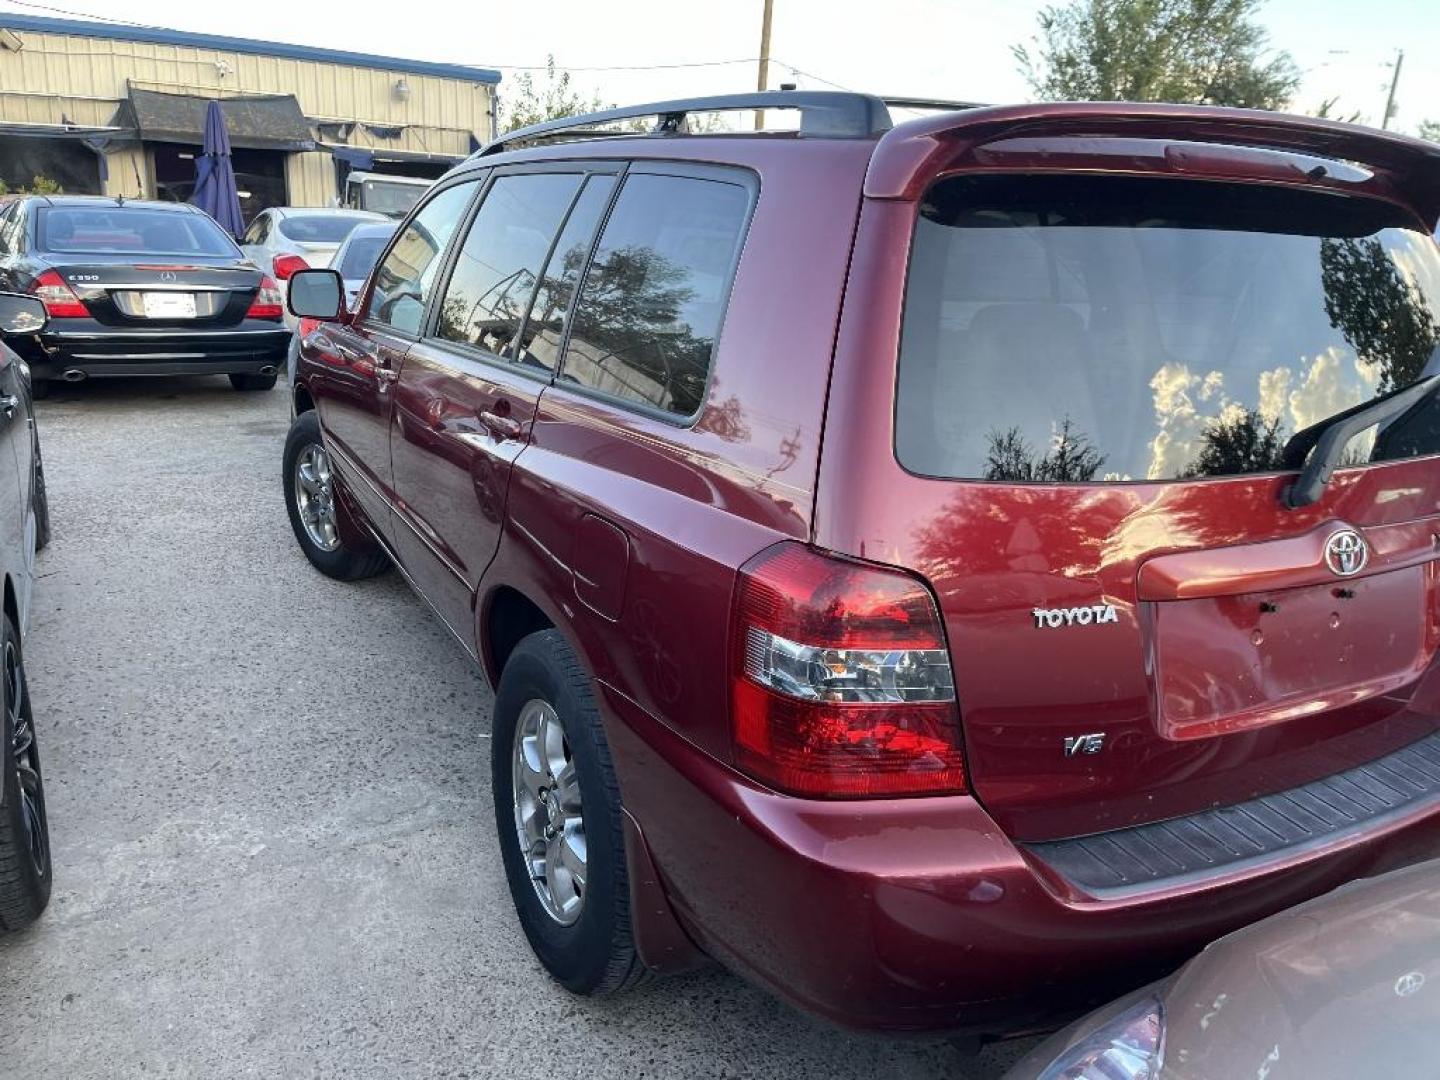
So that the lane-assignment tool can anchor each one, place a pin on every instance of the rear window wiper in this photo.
(1329, 437)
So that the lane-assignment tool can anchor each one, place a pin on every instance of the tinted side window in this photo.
(651, 302)
(7, 218)
(501, 260)
(545, 329)
(405, 279)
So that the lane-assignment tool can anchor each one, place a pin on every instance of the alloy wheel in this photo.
(548, 818)
(26, 761)
(315, 497)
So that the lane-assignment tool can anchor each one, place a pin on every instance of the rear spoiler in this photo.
(911, 155)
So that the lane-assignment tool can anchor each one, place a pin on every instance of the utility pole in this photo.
(763, 81)
(1394, 85)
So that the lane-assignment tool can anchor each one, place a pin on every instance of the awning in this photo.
(353, 156)
(259, 123)
(365, 157)
(61, 131)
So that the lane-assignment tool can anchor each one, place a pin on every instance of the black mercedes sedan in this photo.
(138, 288)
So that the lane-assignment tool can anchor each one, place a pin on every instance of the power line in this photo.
(810, 75)
(81, 14)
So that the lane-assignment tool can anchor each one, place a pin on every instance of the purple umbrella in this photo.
(215, 175)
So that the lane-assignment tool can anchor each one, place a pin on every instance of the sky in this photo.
(958, 49)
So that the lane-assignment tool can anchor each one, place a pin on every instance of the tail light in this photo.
(285, 265)
(841, 684)
(268, 303)
(60, 300)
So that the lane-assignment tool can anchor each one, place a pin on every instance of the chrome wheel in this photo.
(547, 811)
(26, 762)
(315, 497)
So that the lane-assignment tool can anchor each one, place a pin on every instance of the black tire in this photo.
(354, 558)
(254, 382)
(25, 869)
(596, 953)
(40, 500)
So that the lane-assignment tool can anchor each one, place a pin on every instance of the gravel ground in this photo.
(269, 801)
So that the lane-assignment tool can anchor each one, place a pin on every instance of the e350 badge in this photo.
(1093, 615)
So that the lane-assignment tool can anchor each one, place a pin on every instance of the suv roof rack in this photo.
(938, 104)
(824, 114)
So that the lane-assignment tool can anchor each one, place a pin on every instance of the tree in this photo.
(1430, 129)
(1381, 313)
(1247, 442)
(39, 185)
(1070, 458)
(630, 324)
(552, 99)
(1329, 110)
(1205, 52)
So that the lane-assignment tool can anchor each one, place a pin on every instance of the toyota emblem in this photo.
(1346, 552)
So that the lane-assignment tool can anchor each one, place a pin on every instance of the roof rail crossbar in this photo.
(824, 114)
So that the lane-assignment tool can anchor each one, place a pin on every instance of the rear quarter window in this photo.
(1077, 329)
(653, 298)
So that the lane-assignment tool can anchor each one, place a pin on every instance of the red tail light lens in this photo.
(268, 303)
(285, 265)
(60, 300)
(841, 684)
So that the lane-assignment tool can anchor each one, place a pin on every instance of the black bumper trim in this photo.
(1252, 833)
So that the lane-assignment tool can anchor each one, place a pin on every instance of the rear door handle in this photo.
(502, 427)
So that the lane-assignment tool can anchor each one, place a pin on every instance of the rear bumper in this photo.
(247, 349)
(919, 914)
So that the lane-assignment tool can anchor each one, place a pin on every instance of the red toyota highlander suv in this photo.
(947, 572)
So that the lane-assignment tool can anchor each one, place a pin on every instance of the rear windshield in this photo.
(129, 230)
(1071, 329)
(360, 255)
(319, 228)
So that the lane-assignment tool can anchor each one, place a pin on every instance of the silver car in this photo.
(358, 254)
(1347, 985)
(354, 259)
(284, 239)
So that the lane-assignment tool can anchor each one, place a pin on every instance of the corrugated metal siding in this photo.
(85, 79)
(310, 178)
(129, 172)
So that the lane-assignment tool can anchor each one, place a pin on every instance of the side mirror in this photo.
(20, 314)
(317, 294)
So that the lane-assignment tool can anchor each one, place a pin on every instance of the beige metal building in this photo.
(112, 109)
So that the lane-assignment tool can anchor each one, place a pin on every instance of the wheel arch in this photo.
(12, 602)
(303, 401)
(507, 617)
